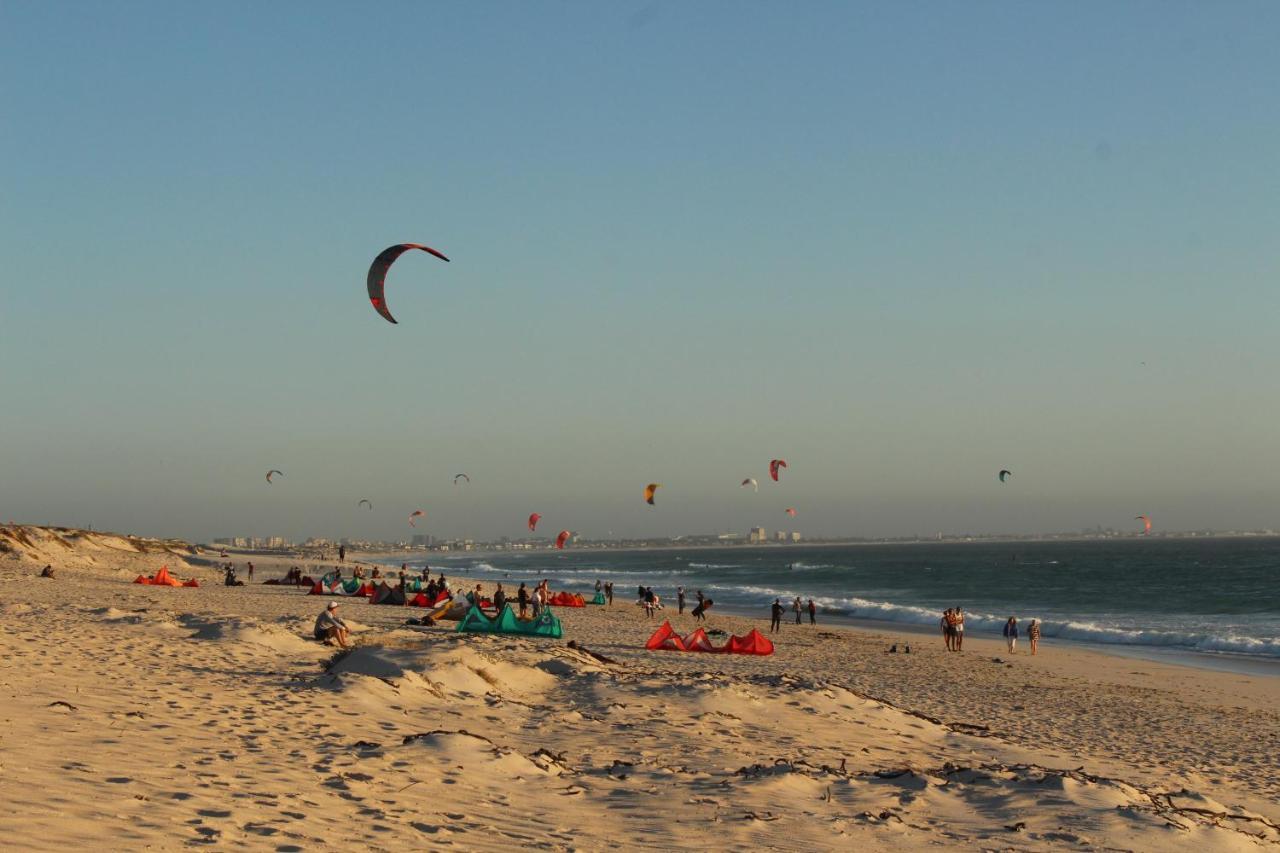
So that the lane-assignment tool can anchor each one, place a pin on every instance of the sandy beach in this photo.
(140, 717)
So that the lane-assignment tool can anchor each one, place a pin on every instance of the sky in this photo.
(901, 245)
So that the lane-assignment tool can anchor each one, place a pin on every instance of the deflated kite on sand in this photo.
(546, 625)
(163, 578)
(666, 639)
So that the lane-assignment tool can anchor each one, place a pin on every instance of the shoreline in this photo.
(1229, 662)
(210, 714)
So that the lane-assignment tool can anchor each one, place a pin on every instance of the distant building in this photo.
(422, 540)
(758, 534)
(795, 536)
(782, 536)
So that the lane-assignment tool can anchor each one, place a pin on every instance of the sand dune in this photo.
(167, 718)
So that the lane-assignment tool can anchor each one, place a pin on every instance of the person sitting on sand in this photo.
(47, 572)
(376, 573)
(775, 620)
(1011, 633)
(1033, 634)
(329, 626)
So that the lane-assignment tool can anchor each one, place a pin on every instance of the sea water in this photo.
(1218, 595)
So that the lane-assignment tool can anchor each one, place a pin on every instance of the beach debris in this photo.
(1004, 475)
(416, 514)
(534, 518)
(649, 491)
(774, 466)
(61, 704)
(272, 472)
(573, 644)
(378, 274)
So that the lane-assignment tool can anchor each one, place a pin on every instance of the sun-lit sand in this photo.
(142, 717)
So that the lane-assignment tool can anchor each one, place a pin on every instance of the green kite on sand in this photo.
(546, 625)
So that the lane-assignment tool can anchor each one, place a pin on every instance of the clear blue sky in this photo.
(901, 245)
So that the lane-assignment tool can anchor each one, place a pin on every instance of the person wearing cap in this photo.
(329, 626)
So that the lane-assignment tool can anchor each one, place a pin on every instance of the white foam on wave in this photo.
(1065, 629)
(715, 565)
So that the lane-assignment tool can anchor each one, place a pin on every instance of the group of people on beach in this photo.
(1011, 634)
(797, 607)
(952, 624)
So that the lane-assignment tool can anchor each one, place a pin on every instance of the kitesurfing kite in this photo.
(648, 492)
(750, 481)
(791, 511)
(562, 538)
(1146, 524)
(378, 273)
(1004, 474)
(365, 501)
(534, 518)
(413, 515)
(273, 471)
(774, 465)
(457, 477)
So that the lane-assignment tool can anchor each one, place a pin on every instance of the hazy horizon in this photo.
(901, 246)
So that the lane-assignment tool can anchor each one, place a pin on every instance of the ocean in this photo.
(1215, 596)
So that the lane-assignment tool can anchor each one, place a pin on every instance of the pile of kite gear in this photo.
(353, 586)
(163, 578)
(421, 600)
(599, 599)
(546, 625)
(568, 599)
(384, 593)
(666, 639)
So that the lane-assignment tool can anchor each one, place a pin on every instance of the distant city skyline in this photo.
(902, 246)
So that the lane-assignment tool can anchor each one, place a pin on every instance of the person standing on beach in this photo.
(945, 622)
(796, 606)
(599, 586)
(775, 621)
(1033, 634)
(251, 573)
(342, 553)
(608, 592)
(522, 598)
(680, 599)
(1011, 633)
(499, 598)
(813, 613)
(959, 639)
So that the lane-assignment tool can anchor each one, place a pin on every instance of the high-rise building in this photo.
(795, 536)
(781, 536)
(758, 534)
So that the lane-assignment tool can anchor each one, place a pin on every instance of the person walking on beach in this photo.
(680, 599)
(1033, 634)
(700, 612)
(959, 638)
(1011, 633)
(796, 606)
(522, 598)
(329, 626)
(775, 620)
(608, 592)
(947, 629)
(813, 613)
